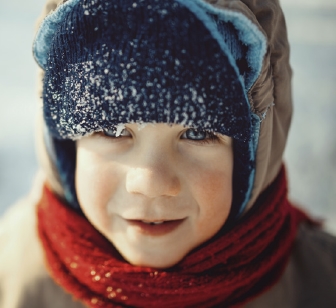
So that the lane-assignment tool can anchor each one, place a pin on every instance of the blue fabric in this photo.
(248, 33)
(127, 70)
(44, 36)
(253, 146)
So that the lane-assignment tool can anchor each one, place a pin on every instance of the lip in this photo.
(155, 229)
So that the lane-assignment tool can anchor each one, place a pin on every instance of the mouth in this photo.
(159, 222)
(155, 227)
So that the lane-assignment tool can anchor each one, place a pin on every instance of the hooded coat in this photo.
(309, 278)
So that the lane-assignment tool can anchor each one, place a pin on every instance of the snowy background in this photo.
(311, 150)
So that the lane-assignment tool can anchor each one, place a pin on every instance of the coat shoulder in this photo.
(24, 280)
(314, 267)
(310, 276)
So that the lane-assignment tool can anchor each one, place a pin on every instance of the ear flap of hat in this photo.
(245, 45)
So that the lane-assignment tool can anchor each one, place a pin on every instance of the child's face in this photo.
(156, 192)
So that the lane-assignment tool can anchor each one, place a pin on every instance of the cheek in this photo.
(96, 181)
(214, 197)
(211, 186)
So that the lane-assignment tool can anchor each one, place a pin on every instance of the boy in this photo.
(165, 126)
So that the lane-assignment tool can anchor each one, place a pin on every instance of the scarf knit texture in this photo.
(231, 269)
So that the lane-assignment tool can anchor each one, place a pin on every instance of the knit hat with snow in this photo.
(109, 62)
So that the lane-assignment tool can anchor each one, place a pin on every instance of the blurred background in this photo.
(311, 149)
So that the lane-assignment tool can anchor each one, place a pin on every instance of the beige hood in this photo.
(269, 97)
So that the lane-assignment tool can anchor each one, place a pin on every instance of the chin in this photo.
(159, 262)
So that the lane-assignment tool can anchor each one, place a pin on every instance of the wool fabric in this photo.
(126, 61)
(232, 268)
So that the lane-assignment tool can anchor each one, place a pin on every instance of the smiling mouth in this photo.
(155, 228)
(154, 222)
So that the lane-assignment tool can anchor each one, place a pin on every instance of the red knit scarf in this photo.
(227, 271)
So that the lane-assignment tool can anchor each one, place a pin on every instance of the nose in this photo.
(153, 179)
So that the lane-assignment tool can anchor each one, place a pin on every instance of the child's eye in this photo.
(199, 135)
(114, 133)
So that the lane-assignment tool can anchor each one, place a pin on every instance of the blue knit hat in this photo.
(176, 61)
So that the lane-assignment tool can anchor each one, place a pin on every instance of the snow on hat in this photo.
(177, 61)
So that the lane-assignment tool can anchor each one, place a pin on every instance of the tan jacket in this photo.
(309, 280)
